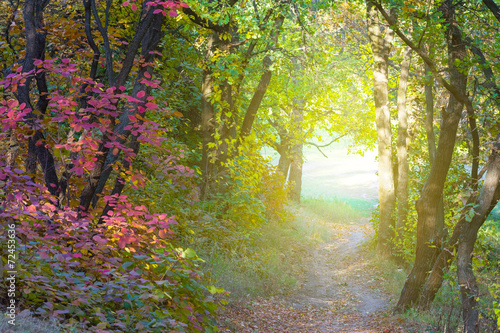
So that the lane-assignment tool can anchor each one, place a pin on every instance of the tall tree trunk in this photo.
(431, 140)
(33, 14)
(402, 182)
(466, 279)
(447, 254)
(428, 237)
(429, 115)
(258, 95)
(207, 120)
(264, 81)
(297, 159)
(381, 45)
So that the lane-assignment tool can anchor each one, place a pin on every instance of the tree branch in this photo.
(432, 66)
(107, 48)
(325, 145)
(492, 6)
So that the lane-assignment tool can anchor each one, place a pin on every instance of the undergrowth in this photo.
(29, 324)
(445, 312)
(271, 261)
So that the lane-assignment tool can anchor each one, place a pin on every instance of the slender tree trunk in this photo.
(402, 183)
(258, 95)
(428, 237)
(381, 45)
(297, 159)
(264, 81)
(207, 121)
(429, 115)
(148, 34)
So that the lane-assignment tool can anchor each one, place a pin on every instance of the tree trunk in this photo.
(466, 279)
(258, 95)
(428, 237)
(264, 81)
(207, 121)
(284, 151)
(148, 34)
(431, 139)
(446, 256)
(402, 180)
(297, 159)
(381, 45)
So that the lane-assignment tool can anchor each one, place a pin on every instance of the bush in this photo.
(119, 275)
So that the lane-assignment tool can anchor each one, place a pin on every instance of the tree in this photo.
(381, 44)
(77, 121)
(402, 145)
(421, 287)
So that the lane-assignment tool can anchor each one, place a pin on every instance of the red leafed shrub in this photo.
(109, 266)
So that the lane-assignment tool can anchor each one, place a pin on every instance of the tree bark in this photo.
(261, 89)
(428, 237)
(493, 7)
(259, 93)
(33, 14)
(466, 279)
(148, 34)
(447, 254)
(429, 115)
(284, 150)
(207, 120)
(297, 159)
(402, 153)
(381, 45)
(431, 140)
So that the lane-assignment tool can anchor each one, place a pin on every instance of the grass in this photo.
(342, 210)
(393, 276)
(274, 261)
(29, 324)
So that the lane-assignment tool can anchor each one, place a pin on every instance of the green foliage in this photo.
(486, 264)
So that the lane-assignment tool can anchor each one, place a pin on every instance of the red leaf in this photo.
(141, 94)
(162, 233)
(122, 242)
(133, 7)
(44, 255)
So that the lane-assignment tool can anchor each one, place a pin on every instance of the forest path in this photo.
(340, 279)
(341, 292)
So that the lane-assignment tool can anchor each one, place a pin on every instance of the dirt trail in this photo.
(340, 293)
(340, 281)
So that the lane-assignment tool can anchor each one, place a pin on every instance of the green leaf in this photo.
(127, 264)
(214, 290)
